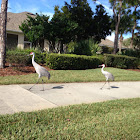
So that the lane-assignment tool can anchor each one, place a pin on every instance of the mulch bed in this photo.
(18, 70)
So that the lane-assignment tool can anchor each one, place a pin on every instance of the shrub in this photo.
(84, 47)
(20, 57)
(106, 49)
(131, 52)
(72, 62)
(121, 61)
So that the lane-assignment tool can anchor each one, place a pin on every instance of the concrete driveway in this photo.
(16, 98)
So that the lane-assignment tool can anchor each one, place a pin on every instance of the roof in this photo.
(109, 43)
(106, 42)
(15, 19)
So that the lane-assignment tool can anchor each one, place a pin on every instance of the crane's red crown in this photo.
(31, 53)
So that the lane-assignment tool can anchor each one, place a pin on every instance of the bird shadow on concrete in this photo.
(114, 87)
(58, 87)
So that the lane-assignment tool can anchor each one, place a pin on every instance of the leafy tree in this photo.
(81, 13)
(117, 6)
(124, 27)
(135, 17)
(63, 28)
(34, 29)
(101, 24)
(136, 42)
(120, 8)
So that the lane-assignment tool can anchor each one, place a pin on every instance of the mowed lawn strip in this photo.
(69, 76)
(117, 119)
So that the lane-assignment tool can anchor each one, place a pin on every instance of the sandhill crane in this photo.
(107, 75)
(41, 71)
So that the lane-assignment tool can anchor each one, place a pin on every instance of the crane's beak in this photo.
(100, 66)
(28, 55)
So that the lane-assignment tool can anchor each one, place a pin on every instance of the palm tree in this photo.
(3, 20)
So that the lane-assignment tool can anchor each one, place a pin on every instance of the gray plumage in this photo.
(107, 75)
(41, 71)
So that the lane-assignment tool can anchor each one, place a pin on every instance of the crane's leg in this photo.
(103, 86)
(109, 85)
(34, 84)
(43, 84)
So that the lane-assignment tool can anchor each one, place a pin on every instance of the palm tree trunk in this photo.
(3, 20)
(116, 38)
(117, 20)
(133, 30)
(120, 45)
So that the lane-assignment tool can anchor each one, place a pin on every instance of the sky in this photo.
(46, 7)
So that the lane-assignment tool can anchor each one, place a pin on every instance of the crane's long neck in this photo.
(102, 70)
(33, 59)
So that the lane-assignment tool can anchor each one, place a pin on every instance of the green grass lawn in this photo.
(67, 76)
(119, 119)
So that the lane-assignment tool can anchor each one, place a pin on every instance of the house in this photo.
(15, 37)
(106, 42)
(110, 43)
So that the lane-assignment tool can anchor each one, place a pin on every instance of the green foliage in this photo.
(127, 42)
(81, 13)
(17, 57)
(131, 52)
(62, 28)
(85, 47)
(34, 28)
(106, 49)
(21, 57)
(121, 61)
(89, 25)
(82, 48)
(74, 22)
(72, 62)
(101, 24)
(136, 42)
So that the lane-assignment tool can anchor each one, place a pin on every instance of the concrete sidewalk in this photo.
(16, 98)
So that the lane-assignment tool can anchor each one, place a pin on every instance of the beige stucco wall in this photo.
(21, 41)
(20, 38)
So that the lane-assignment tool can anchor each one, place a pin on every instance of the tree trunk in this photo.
(133, 30)
(3, 20)
(61, 48)
(117, 21)
(116, 38)
(120, 46)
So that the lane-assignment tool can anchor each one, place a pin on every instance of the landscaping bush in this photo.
(72, 62)
(131, 52)
(85, 47)
(82, 48)
(106, 49)
(20, 57)
(121, 61)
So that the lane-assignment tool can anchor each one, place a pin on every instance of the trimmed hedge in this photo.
(72, 62)
(121, 61)
(21, 57)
